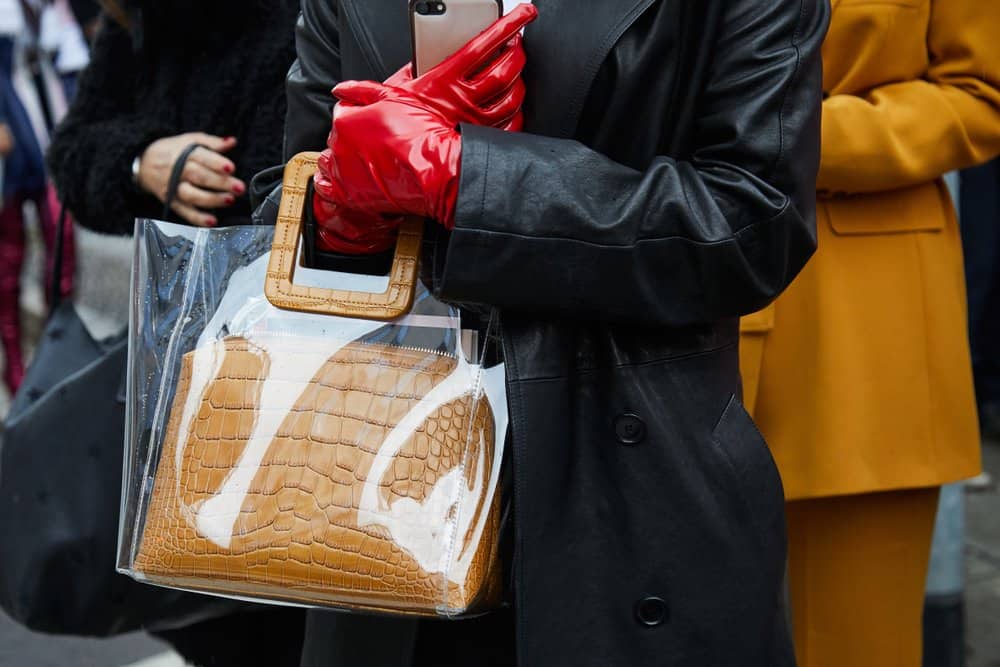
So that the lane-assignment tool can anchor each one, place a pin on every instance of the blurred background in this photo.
(962, 616)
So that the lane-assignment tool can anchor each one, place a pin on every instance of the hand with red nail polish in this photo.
(206, 182)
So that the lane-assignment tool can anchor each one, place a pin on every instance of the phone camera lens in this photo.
(432, 8)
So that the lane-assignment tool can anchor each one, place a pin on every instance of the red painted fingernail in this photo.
(239, 188)
(228, 168)
(229, 200)
(212, 222)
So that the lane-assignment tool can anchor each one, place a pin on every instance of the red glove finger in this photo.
(487, 85)
(480, 82)
(358, 93)
(507, 106)
(393, 153)
(476, 55)
(342, 230)
(350, 233)
(350, 184)
(502, 39)
(515, 124)
(490, 100)
(455, 103)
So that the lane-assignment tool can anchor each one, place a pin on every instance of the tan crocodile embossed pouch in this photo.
(307, 455)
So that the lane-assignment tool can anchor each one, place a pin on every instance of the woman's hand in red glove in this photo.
(347, 232)
(481, 83)
(391, 153)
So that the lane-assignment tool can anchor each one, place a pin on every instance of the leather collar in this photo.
(566, 47)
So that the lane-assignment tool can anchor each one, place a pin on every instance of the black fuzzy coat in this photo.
(217, 67)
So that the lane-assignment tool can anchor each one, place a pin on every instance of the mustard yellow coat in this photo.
(859, 375)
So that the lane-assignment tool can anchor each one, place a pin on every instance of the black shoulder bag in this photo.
(61, 455)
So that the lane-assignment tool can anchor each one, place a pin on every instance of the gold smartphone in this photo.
(439, 28)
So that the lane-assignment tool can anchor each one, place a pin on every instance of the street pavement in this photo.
(20, 648)
(982, 558)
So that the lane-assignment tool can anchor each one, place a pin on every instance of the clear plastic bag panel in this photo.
(300, 458)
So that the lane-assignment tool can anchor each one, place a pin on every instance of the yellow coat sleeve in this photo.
(912, 132)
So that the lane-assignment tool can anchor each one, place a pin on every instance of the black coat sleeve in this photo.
(312, 76)
(90, 158)
(552, 226)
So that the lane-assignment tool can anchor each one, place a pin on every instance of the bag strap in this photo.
(175, 178)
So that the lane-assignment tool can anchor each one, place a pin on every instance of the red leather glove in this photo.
(479, 84)
(347, 232)
(391, 153)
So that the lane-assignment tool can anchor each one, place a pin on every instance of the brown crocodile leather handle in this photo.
(283, 293)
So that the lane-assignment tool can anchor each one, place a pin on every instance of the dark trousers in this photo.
(980, 208)
(342, 640)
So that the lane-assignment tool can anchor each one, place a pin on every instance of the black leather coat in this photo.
(664, 185)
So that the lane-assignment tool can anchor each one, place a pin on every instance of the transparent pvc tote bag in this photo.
(307, 437)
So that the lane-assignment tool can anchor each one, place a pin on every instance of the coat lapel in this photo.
(382, 30)
(566, 46)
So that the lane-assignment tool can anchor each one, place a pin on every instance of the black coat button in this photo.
(651, 611)
(630, 429)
